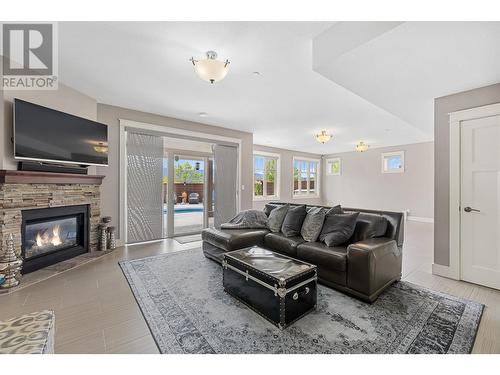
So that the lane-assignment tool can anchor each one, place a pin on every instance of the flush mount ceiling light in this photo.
(323, 137)
(210, 69)
(361, 147)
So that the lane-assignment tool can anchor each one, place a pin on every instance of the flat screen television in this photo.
(47, 135)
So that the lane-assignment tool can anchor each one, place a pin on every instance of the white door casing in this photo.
(480, 201)
(453, 269)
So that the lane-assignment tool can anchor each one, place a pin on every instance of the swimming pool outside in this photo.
(185, 208)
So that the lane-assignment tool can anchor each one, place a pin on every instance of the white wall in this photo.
(286, 176)
(363, 185)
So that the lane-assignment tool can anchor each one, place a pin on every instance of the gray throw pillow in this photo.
(293, 221)
(311, 228)
(335, 210)
(338, 228)
(276, 217)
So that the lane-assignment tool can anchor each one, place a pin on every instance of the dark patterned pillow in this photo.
(338, 228)
(311, 228)
(269, 207)
(293, 221)
(276, 217)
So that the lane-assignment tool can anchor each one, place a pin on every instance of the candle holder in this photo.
(111, 238)
(10, 265)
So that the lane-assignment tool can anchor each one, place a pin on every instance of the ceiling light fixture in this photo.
(210, 69)
(361, 147)
(323, 137)
(203, 114)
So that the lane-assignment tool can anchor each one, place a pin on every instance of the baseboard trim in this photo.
(445, 271)
(420, 219)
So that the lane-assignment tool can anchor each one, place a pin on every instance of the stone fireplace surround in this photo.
(22, 190)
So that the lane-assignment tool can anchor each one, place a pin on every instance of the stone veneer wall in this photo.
(17, 197)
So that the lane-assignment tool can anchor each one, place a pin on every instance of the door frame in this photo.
(168, 131)
(455, 120)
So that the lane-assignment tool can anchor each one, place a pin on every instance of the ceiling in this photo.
(358, 80)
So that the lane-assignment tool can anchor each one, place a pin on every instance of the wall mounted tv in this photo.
(47, 135)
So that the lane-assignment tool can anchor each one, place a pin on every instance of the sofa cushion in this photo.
(280, 243)
(233, 239)
(276, 217)
(369, 226)
(338, 228)
(313, 223)
(293, 221)
(334, 258)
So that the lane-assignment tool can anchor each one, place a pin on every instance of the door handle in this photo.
(470, 209)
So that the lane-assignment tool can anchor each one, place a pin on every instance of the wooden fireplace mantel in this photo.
(28, 177)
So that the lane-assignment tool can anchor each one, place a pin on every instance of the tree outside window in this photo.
(185, 173)
(305, 177)
(265, 176)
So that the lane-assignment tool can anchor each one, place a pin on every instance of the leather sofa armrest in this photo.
(372, 264)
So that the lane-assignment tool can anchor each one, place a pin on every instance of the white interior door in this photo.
(480, 201)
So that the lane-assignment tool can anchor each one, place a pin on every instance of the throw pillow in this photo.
(293, 221)
(338, 228)
(369, 226)
(311, 228)
(276, 217)
(269, 207)
(335, 210)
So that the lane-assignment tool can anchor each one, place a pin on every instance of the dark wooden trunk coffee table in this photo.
(279, 288)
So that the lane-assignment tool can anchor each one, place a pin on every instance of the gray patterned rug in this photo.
(181, 297)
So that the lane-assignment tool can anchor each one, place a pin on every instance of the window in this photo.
(265, 176)
(393, 162)
(334, 167)
(305, 178)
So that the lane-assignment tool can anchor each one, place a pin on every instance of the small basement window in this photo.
(393, 162)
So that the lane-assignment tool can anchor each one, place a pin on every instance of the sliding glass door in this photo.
(176, 186)
(189, 194)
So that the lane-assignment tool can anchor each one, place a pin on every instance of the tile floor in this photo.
(97, 313)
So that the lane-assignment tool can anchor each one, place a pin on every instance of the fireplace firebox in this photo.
(51, 235)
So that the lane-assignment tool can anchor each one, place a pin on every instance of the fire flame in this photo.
(43, 239)
(56, 240)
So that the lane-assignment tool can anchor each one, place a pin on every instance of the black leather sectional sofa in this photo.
(364, 266)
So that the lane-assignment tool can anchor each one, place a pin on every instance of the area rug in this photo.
(188, 239)
(183, 302)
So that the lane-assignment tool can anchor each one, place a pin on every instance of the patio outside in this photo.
(189, 189)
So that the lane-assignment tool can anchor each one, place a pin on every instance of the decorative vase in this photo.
(112, 238)
(10, 265)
